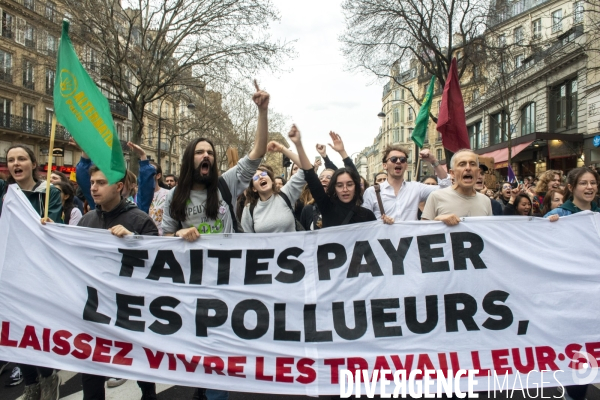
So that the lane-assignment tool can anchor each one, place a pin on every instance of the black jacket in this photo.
(333, 211)
(126, 214)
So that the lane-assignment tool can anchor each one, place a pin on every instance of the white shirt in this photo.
(405, 206)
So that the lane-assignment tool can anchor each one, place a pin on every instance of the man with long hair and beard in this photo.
(196, 206)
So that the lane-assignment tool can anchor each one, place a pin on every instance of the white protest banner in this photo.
(286, 313)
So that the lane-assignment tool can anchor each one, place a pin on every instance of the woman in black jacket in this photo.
(340, 204)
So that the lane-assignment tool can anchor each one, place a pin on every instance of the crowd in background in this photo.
(249, 198)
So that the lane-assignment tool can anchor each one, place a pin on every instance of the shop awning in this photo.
(501, 156)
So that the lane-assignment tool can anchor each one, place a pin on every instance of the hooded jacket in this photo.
(568, 208)
(126, 214)
(37, 198)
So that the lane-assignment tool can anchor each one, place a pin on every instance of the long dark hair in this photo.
(186, 181)
(518, 201)
(68, 190)
(161, 181)
(357, 200)
(31, 157)
(573, 178)
(251, 195)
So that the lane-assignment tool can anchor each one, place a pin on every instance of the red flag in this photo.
(451, 119)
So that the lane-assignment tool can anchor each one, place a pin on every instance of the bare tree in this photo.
(147, 48)
(383, 36)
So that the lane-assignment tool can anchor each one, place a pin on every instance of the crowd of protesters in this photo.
(249, 198)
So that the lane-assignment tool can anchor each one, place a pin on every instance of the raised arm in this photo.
(261, 99)
(294, 136)
(322, 150)
(440, 172)
(279, 148)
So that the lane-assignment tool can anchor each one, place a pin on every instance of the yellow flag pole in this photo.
(49, 174)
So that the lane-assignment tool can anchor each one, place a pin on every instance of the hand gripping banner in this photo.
(509, 297)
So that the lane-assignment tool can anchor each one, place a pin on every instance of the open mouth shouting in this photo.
(205, 168)
(468, 178)
(17, 173)
(263, 184)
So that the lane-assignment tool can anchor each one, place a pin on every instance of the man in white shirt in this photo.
(460, 200)
(400, 198)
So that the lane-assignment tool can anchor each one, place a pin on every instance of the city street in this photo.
(71, 390)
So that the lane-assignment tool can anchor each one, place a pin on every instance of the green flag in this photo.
(420, 132)
(84, 111)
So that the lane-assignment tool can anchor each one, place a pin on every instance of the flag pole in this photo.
(49, 174)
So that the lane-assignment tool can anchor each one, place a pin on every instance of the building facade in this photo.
(28, 48)
(539, 97)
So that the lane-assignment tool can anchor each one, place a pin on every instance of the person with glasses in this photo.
(400, 198)
(340, 203)
(580, 193)
(505, 194)
(268, 209)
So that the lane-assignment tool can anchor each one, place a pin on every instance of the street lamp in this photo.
(190, 106)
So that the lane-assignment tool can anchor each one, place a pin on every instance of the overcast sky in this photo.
(315, 90)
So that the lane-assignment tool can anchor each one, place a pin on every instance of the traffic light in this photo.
(286, 161)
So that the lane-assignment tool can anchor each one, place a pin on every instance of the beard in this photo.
(203, 179)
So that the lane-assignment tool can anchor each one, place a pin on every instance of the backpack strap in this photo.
(348, 217)
(226, 195)
(287, 201)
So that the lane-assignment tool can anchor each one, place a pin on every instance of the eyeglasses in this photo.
(323, 177)
(347, 185)
(395, 159)
(261, 175)
(506, 187)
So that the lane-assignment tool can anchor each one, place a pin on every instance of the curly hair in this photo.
(545, 178)
(358, 198)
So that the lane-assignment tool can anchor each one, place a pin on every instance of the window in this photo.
(28, 75)
(28, 111)
(5, 66)
(5, 112)
(518, 7)
(402, 113)
(119, 131)
(410, 113)
(396, 135)
(128, 133)
(92, 59)
(475, 94)
(578, 12)
(528, 119)
(563, 114)
(518, 35)
(50, 78)
(499, 127)
(502, 40)
(401, 138)
(50, 10)
(51, 45)
(402, 94)
(519, 61)
(29, 4)
(150, 135)
(536, 28)
(557, 21)
(396, 116)
(29, 36)
(439, 155)
(7, 25)
(439, 105)
(475, 72)
(396, 95)
(474, 135)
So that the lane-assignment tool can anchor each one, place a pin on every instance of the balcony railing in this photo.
(29, 85)
(7, 33)
(39, 128)
(513, 9)
(118, 108)
(30, 43)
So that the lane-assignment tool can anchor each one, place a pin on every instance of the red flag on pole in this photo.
(451, 119)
